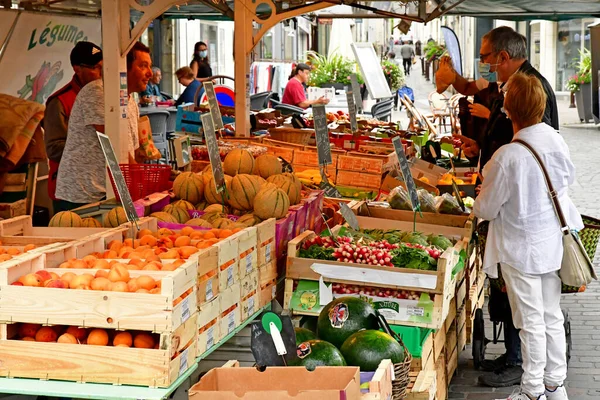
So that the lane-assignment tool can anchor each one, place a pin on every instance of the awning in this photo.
(529, 9)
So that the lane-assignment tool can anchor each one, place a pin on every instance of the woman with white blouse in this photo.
(525, 237)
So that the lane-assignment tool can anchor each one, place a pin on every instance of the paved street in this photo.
(584, 370)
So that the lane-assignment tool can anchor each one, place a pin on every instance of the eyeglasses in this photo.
(482, 57)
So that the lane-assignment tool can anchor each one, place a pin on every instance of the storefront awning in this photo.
(529, 9)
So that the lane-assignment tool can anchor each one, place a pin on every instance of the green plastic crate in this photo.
(413, 338)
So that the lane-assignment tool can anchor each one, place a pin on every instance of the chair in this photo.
(158, 122)
(383, 109)
(286, 109)
(438, 103)
(260, 101)
(166, 96)
(172, 120)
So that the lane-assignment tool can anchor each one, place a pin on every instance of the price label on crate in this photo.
(230, 322)
(117, 175)
(406, 174)
(213, 152)
(249, 263)
(349, 216)
(213, 105)
(251, 305)
(352, 110)
(210, 337)
(183, 362)
(229, 276)
(185, 309)
(268, 252)
(209, 290)
(356, 92)
(322, 134)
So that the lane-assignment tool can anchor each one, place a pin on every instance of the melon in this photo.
(164, 217)
(294, 179)
(217, 208)
(343, 317)
(271, 203)
(186, 205)
(213, 216)
(189, 186)
(366, 349)
(238, 161)
(267, 165)
(249, 220)
(180, 214)
(211, 195)
(318, 353)
(66, 219)
(199, 222)
(237, 225)
(223, 223)
(261, 181)
(244, 188)
(304, 335)
(201, 206)
(287, 185)
(90, 223)
(115, 217)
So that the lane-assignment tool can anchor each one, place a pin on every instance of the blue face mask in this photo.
(484, 71)
(202, 53)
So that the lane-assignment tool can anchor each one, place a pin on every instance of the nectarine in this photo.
(67, 338)
(32, 280)
(123, 339)
(98, 337)
(28, 330)
(118, 273)
(100, 284)
(143, 340)
(46, 334)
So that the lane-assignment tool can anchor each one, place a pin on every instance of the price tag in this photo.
(356, 92)
(457, 195)
(213, 152)
(249, 263)
(415, 311)
(349, 216)
(213, 105)
(209, 290)
(210, 337)
(230, 276)
(268, 252)
(251, 305)
(117, 175)
(328, 188)
(406, 174)
(185, 309)
(183, 362)
(230, 322)
(352, 110)
(322, 134)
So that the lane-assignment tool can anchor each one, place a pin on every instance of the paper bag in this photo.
(147, 149)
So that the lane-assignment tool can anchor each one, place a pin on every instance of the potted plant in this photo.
(394, 75)
(581, 85)
(331, 71)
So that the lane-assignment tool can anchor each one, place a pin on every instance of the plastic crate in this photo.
(413, 337)
(143, 179)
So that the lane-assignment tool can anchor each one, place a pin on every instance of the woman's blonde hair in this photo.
(525, 100)
(184, 72)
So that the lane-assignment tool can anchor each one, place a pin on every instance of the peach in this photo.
(78, 333)
(144, 232)
(136, 256)
(118, 287)
(90, 260)
(118, 273)
(146, 282)
(67, 338)
(100, 283)
(151, 267)
(186, 231)
(155, 291)
(98, 337)
(79, 264)
(17, 283)
(165, 242)
(115, 245)
(28, 330)
(5, 257)
(150, 256)
(178, 263)
(13, 251)
(164, 232)
(87, 277)
(46, 334)
(103, 273)
(54, 275)
(132, 285)
(56, 283)
(142, 291)
(187, 251)
(110, 254)
(44, 275)
(100, 264)
(78, 280)
(169, 255)
(28, 247)
(28, 339)
(158, 283)
(83, 286)
(133, 267)
(123, 339)
(66, 264)
(169, 267)
(32, 280)
(68, 276)
(128, 242)
(182, 241)
(143, 340)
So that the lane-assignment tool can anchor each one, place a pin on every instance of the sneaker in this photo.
(560, 393)
(507, 376)
(518, 395)
(493, 365)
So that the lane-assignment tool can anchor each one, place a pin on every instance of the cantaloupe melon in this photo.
(115, 217)
(267, 165)
(180, 214)
(223, 223)
(66, 219)
(294, 179)
(164, 217)
(243, 190)
(90, 223)
(217, 208)
(199, 222)
(201, 206)
(211, 195)
(186, 205)
(189, 186)
(249, 220)
(287, 185)
(238, 161)
(213, 216)
(271, 203)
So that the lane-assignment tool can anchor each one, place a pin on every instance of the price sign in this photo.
(356, 91)
(349, 216)
(352, 110)
(322, 134)
(213, 151)
(406, 174)
(328, 188)
(117, 175)
(213, 105)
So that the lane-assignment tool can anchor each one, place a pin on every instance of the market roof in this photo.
(529, 9)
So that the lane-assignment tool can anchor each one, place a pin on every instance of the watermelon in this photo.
(309, 322)
(304, 335)
(316, 353)
(343, 317)
(366, 349)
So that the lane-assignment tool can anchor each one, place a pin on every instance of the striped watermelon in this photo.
(115, 217)
(66, 219)
(238, 161)
(271, 203)
(189, 186)
(164, 217)
(243, 190)
(90, 223)
(211, 195)
(287, 185)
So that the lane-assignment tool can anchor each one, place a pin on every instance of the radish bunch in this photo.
(433, 252)
(375, 253)
(343, 289)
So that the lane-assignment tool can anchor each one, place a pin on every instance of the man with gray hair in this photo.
(152, 88)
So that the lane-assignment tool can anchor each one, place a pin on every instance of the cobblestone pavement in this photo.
(583, 381)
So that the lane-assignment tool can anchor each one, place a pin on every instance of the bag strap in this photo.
(553, 195)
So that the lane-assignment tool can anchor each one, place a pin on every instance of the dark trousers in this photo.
(500, 311)
(64, 205)
(407, 62)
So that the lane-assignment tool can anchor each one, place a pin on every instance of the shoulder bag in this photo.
(576, 268)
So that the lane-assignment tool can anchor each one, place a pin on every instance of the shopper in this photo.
(86, 60)
(294, 93)
(152, 92)
(200, 63)
(186, 77)
(525, 236)
(407, 53)
(82, 171)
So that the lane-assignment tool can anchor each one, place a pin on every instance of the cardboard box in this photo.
(278, 383)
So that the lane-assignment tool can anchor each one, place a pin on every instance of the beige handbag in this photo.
(576, 268)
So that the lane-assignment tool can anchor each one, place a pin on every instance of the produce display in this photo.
(343, 317)
(7, 253)
(366, 349)
(399, 199)
(447, 179)
(200, 152)
(316, 353)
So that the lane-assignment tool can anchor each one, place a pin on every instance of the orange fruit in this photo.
(146, 282)
(143, 340)
(118, 273)
(118, 287)
(67, 338)
(100, 284)
(123, 338)
(78, 333)
(209, 235)
(46, 334)
(98, 337)
(28, 330)
(225, 233)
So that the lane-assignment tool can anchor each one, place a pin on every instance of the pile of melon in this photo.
(256, 190)
(69, 219)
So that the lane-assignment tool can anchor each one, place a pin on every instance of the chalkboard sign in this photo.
(322, 134)
(406, 174)
(213, 105)
(356, 91)
(352, 111)
(328, 188)
(372, 73)
(117, 175)
(349, 216)
(262, 345)
(213, 151)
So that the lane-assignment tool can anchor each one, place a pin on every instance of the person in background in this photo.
(152, 92)
(200, 64)
(294, 93)
(82, 171)
(186, 77)
(86, 60)
(525, 237)
(407, 53)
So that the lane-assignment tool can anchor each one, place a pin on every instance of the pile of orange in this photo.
(7, 253)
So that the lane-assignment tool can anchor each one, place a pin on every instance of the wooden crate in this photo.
(380, 385)
(268, 291)
(451, 342)
(113, 310)
(230, 320)
(14, 209)
(330, 170)
(267, 273)
(422, 386)
(249, 304)
(208, 325)
(461, 293)
(461, 327)
(310, 157)
(249, 284)
(208, 286)
(101, 364)
(439, 342)
(358, 179)
(222, 256)
(247, 250)
(229, 297)
(370, 163)
(442, 382)
(265, 236)
(426, 362)
(451, 365)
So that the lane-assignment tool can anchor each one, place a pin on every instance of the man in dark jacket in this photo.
(86, 60)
